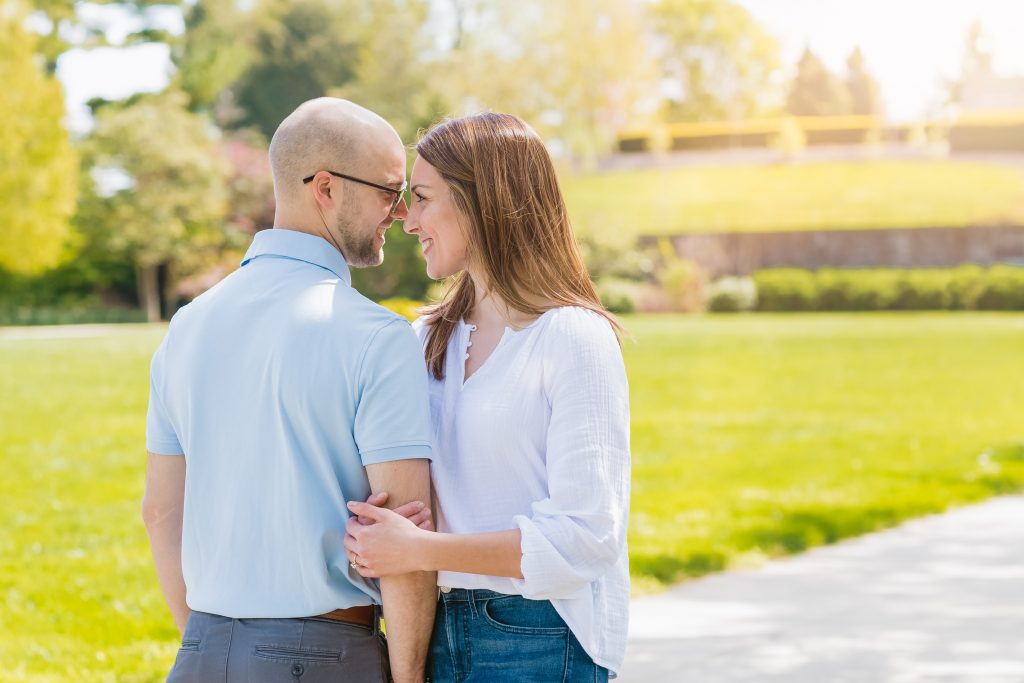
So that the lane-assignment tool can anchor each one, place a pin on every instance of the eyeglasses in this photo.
(399, 193)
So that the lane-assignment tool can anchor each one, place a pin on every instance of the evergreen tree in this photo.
(865, 97)
(815, 90)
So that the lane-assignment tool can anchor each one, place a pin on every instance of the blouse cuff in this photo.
(546, 573)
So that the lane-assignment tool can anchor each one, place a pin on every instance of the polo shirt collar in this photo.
(299, 246)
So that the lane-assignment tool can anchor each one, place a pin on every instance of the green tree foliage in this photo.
(171, 205)
(576, 70)
(38, 166)
(718, 57)
(815, 90)
(392, 72)
(865, 97)
(214, 52)
(304, 48)
(63, 21)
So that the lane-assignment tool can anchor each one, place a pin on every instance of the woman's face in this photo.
(435, 220)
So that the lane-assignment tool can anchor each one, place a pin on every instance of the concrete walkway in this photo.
(937, 599)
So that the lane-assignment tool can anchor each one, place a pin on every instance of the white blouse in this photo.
(538, 438)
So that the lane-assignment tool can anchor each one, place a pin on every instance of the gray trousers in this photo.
(218, 649)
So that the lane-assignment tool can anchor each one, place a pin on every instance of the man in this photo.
(277, 397)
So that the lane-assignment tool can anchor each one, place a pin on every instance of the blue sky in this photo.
(910, 45)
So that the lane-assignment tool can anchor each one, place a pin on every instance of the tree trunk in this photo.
(149, 291)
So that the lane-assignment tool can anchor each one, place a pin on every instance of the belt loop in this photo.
(472, 602)
(377, 617)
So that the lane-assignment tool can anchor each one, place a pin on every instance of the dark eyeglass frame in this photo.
(399, 193)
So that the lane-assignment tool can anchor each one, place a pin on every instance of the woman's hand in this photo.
(416, 512)
(390, 544)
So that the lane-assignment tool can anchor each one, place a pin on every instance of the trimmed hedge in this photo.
(69, 316)
(999, 288)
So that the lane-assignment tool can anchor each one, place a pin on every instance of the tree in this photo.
(169, 203)
(865, 97)
(66, 28)
(576, 70)
(38, 166)
(214, 52)
(393, 72)
(716, 57)
(977, 57)
(304, 48)
(815, 91)
(976, 64)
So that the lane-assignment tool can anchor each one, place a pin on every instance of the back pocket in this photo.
(296, 654)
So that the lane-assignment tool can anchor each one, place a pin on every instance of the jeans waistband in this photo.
(473, 595)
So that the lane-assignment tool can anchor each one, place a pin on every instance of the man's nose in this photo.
(401, 211)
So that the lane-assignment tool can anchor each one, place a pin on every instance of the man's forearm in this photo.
(409, 599)
(165, 542)
(409, 604)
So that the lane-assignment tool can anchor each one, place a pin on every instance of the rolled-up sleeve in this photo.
(578, 532)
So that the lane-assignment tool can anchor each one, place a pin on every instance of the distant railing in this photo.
(1003, 131)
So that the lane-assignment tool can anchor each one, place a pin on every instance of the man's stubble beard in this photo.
(356, 245)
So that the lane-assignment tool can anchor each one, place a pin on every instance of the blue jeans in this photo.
(483, 636)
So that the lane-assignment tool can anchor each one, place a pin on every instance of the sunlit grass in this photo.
(752, 436)
(764, 435)
(619, 206)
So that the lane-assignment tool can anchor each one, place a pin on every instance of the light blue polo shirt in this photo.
(278, 385)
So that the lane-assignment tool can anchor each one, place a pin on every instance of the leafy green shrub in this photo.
(617, 294)
(884, 289)
(785, 289)
(1003, 290)
(404, 307)
(924, 290)
(966, 285)
(731, 295)
(856, 290)
(69, 316)
(683, 283)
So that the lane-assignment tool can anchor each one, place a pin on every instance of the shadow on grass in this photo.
(794, 531)
(1001, 472)
(670, 569)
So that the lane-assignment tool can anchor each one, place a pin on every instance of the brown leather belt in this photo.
(363, 615)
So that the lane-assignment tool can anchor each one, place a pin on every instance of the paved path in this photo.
(937, 599)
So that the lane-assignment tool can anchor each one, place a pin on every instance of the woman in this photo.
(530, 407)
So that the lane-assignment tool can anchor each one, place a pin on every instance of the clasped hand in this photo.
(382, 542)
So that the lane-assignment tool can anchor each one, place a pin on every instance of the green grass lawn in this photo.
(752, 436)
(619, 206)
(763, 435)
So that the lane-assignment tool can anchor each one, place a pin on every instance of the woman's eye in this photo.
(419, 197)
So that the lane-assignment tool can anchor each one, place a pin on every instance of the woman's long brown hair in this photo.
(518, 233)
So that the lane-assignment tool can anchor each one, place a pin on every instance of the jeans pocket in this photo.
(520, 616)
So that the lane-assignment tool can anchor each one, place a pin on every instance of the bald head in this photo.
(329, 134)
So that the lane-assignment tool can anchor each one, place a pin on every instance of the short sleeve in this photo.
(160, 435)
(392, 420)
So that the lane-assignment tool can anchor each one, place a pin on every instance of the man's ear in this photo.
(322, 193)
